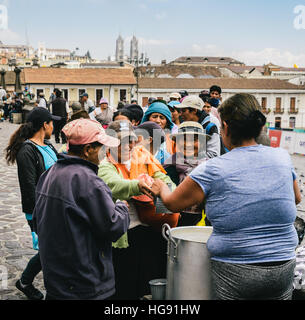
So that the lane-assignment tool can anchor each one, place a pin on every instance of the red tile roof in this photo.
(90, 76)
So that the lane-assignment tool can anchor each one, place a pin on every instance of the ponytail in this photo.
(25, 132)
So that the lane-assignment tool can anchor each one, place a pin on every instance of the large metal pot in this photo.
(188, 263)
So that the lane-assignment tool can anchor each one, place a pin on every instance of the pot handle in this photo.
(167, 229)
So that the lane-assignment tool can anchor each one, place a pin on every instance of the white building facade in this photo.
(284, 108)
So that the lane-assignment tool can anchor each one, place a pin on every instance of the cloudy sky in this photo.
(253, 31)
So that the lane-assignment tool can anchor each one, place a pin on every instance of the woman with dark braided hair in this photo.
(34, 155)
(251, 194)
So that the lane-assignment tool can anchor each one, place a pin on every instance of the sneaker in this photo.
(30, 291)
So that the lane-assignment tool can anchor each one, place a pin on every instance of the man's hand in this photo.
(144, 188)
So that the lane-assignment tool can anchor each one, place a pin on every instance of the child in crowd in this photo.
(151, 136)
(209, 105)
(136, 114)
(175, 114)
(215, 92)
(122, 114)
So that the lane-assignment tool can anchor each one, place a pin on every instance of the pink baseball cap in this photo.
(83, 131)
(103, 100)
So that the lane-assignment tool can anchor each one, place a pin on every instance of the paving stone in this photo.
(12, 245)
(7, 236)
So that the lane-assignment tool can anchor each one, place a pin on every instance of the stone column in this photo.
(3, 84)
(18, 88)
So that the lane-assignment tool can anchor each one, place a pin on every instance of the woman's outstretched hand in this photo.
(156, 188)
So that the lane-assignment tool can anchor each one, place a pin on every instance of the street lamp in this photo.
(136, 61)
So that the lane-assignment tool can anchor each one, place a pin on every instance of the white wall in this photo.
(271, 96)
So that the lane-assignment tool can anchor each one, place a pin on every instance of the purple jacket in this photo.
(76, 222)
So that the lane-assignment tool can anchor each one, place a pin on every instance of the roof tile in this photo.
(97, 76)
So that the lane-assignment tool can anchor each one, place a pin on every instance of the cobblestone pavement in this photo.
(15, 237)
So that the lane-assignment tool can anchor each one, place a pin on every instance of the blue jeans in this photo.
(252, 282)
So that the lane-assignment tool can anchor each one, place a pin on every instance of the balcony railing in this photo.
(266, 110)
(279, 110)
(293, 111)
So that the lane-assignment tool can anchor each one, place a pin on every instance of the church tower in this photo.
(119, 53)
(134, 50)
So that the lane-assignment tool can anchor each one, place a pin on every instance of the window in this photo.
(81, 91)
(123, 95)
(292, 122)
(278, 103)
(292, 104)
(65, 94)
(264, 103)
(98, 95)
(38, 91)
(144, 101)
(278, 122)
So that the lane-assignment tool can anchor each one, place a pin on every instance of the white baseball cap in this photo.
(193, 102)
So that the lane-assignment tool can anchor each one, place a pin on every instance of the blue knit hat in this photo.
(173, 104)
(159, 107)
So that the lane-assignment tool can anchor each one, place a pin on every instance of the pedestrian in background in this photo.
(33, 153)
(87, 103)
(42, 101)
(59, 108)
(103, 114)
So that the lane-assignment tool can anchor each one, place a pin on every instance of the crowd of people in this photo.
(92, 206)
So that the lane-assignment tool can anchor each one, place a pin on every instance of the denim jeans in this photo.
(252, 282)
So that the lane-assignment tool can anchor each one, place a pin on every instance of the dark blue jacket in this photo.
(76, 222)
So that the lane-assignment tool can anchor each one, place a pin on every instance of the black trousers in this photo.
(32, 268)
(145, 259)
(58, 125)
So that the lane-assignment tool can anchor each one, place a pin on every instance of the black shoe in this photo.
(30, 291)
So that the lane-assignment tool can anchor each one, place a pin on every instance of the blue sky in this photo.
(253, 31)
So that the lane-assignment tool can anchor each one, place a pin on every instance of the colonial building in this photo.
(114, 84)
(178, 71)
(207, 61)
(268, 71)
(282, 102)
(15, 51)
